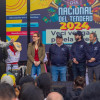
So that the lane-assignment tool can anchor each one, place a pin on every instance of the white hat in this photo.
(17, 46)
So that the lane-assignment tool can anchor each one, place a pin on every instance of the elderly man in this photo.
(93, 57)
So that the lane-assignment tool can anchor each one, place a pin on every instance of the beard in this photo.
(91, 41)
(77, 39)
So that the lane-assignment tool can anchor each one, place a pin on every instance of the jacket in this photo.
(59, 56)
(31, 54)
(93, 51)
(78, 51)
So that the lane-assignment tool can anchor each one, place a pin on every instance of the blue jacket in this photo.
(93, 51)
(59, 56)
(78, 51)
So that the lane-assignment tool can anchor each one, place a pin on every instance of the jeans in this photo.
(79, 69)
(94, 70)
(58, 70)
(36, 70)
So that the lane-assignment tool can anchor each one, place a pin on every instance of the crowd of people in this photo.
(36, 85)
(41, 89)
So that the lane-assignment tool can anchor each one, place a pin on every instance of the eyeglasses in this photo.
(35, 36)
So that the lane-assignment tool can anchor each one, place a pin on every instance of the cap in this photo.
(59, 35)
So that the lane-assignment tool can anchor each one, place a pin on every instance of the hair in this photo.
(6, 92)
(44, 83)
(77, 33)
(32, 93)
(94, 34)
(91, 92)
(39, 41)
(79, 81)
(26, 79)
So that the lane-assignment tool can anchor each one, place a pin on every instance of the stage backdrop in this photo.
(50, 17)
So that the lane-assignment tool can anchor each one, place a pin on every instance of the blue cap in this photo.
(59, 35)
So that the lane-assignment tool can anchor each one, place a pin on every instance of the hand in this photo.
(91, 60)
(75, 61)
(12, 40)
(35, 63)
(38, 62)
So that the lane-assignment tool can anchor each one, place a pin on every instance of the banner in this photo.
(49, 17)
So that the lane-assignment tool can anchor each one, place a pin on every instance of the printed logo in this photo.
(95, 48)
(81, 46)
(63, 49)
(74, 2)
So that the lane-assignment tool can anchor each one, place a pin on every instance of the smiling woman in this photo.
(36, 54)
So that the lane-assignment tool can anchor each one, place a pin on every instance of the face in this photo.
(92, 38)
(14, 48)
(59, 40)
(77, 37)
(35, 37)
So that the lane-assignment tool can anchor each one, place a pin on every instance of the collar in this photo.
(59, 46)
(95, 42)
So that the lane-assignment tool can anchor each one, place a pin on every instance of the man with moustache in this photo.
(93, 57)
(78, 55)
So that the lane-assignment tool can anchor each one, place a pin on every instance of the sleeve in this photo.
(43, 54)
(97, 56)
(45, 59)
(72, 52)
(18, 56)
(88, 57)
(29, 53)
(50, 53)
(68, 54)
(4, 44)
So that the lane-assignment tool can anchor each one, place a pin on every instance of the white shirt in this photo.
(12, 57)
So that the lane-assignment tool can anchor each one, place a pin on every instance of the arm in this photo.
(97, 56)
(45, 59)
(43, 54)
(50, 53)
(72, 53)
(18, 56)
(5, 44)
(68, 54)
(86, 52)
(29, 54)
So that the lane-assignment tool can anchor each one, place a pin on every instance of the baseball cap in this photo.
(59, 35)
